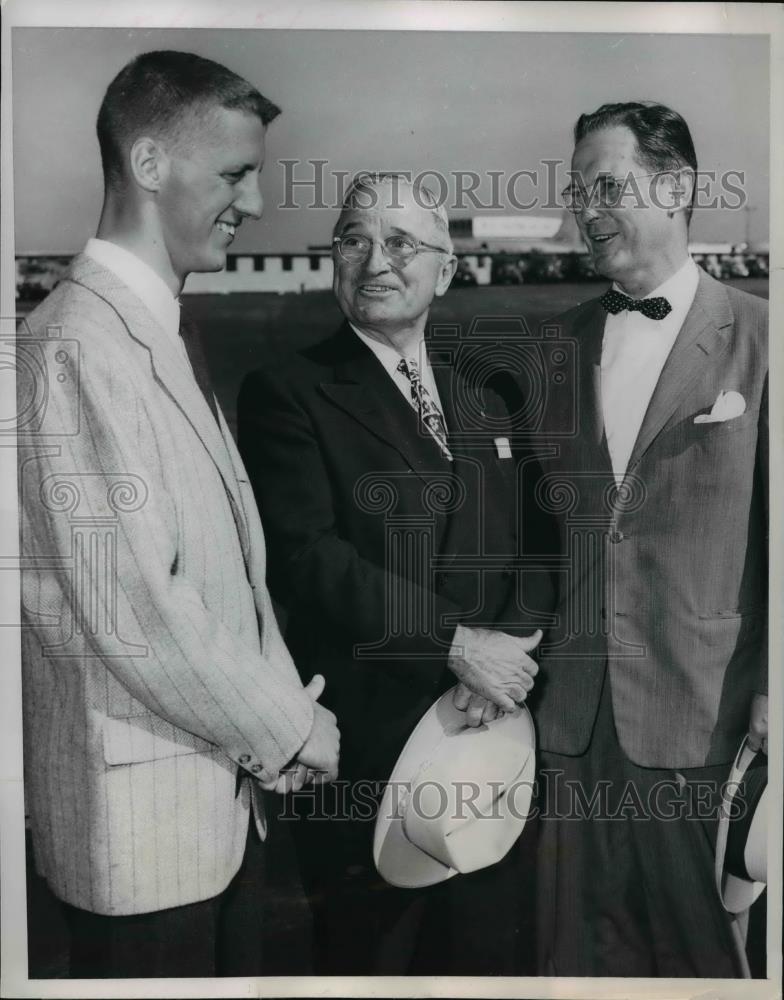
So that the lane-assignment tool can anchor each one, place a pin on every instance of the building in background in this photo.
(491, 249)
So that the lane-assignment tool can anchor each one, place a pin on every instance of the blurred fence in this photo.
(36, 275)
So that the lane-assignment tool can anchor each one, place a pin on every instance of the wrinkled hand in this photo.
(317, 761)
(494, 665)
(478, 710)
(758, 723)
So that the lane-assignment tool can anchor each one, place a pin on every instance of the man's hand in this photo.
(317, 761)
(758, 723)
(321, 750)
(478, 710)
(494, 665)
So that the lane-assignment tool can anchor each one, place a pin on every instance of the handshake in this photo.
(494, 669)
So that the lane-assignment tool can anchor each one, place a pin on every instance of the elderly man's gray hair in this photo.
(364, 182)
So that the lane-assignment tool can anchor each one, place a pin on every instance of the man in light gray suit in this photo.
(658, 477)
(159, 697)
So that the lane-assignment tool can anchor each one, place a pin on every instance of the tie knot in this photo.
(409, 368)
(614, 302)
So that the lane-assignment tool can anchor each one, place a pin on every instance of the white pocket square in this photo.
(727, 406)
(502, 447)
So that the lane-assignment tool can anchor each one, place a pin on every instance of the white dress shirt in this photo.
(144, 283)
(634, 350)
(390, 359)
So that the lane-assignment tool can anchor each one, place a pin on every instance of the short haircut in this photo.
(157, 91)
(423, 196)
(664, 141)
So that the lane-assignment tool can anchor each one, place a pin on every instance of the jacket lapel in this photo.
(364, 390)
(591, 417)
(704, 333)
(169, 368)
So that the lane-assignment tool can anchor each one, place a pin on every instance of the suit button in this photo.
(244, 758)
(440, 580)
(257, 768)
(616, 536)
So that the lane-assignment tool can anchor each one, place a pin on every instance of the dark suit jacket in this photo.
(667, 578)
(378, 545)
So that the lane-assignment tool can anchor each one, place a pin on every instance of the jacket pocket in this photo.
(731, 426)
(745, 612)
(139, 738)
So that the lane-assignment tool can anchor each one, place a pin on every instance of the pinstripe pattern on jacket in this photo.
(153, 667)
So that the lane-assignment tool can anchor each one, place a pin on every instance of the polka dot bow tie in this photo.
(615, 302)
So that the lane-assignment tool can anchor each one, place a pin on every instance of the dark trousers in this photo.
(629, 890)
(469, 925)
(217, 937)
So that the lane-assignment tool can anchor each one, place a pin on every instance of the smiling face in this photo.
(210, 187)
(638, 243)
(384, 299)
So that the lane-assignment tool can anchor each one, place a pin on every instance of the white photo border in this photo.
(398, 15)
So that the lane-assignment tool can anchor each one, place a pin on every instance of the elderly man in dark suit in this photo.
(657, 667)
(379, 512)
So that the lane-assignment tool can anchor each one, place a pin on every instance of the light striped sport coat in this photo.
(154, 673)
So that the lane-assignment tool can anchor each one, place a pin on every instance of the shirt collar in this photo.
(142, 281)
(387, 354)
(679, 289)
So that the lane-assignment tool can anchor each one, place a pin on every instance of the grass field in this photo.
(247, 331)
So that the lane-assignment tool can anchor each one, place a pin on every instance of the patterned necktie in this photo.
(423, 403)
(195, 350)
(615, 302)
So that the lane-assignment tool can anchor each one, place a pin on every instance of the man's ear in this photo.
(148, 163)
(682, 189)
(446, 274)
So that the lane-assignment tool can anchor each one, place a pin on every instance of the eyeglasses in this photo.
(606, 192)
(398, 249)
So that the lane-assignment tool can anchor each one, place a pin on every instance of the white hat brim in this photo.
(738, 894)
(399, 861)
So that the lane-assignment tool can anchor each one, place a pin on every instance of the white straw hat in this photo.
(458, 797)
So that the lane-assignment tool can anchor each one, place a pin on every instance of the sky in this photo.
(402, 100)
